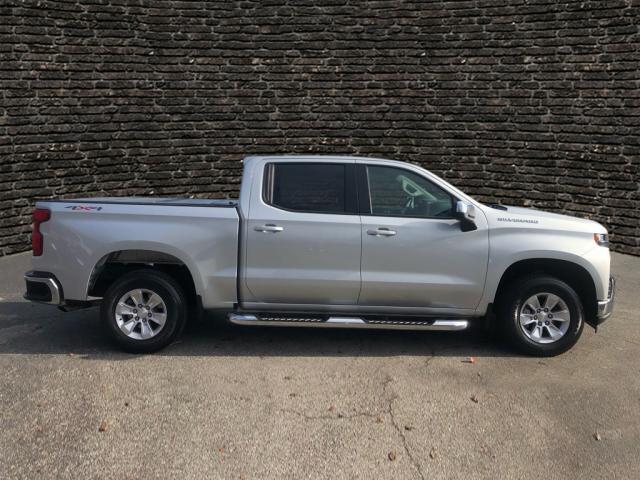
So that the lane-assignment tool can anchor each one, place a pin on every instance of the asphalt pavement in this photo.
(256, 403)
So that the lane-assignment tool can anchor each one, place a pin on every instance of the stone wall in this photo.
(526, 102)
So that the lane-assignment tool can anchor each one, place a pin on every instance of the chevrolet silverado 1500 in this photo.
(324, 242)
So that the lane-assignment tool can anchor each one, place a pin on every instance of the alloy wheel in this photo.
(141, 314)
(544, 317)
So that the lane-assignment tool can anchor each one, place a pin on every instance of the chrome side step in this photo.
(448, 325)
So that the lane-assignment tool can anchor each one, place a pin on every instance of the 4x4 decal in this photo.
(83, 208)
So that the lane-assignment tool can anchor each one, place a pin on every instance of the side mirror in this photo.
(466, 213)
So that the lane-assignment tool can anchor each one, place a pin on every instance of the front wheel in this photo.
(144, 311)
(541, 316)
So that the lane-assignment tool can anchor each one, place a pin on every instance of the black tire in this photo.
(511, 305)
(170, 292)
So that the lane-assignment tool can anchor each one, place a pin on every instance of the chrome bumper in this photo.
(605, 308)
(43, 287)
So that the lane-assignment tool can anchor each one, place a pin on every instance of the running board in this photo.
(448, 325)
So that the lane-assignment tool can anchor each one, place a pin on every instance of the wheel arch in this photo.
(573, 274)
(119, 262)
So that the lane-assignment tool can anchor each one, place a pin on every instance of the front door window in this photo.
(396, 192)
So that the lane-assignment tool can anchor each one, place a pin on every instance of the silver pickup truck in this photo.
(324, 242)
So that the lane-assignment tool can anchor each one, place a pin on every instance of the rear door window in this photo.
(308, 187)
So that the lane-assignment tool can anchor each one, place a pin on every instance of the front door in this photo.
(303, 240)
(413, 251)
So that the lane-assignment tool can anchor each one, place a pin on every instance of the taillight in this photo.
(40, 215)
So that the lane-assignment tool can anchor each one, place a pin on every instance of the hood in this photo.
(531, 218)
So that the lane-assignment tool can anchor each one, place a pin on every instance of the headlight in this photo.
(601, 239)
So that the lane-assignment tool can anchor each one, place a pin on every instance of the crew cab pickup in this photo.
(324, 242)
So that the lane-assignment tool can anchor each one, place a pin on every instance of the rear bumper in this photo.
(605, 307)
(43, 287)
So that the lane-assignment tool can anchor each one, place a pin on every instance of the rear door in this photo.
(413, 251)
(303, 240)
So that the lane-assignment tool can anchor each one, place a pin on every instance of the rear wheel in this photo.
(144, 311)
(541, 316)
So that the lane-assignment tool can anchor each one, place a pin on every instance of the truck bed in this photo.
(160, 201)
(84, 233)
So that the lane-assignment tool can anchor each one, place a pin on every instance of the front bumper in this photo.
(43, 287)
(605, 307)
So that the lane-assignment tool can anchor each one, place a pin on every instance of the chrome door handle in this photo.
(269, 228)
(381, 232)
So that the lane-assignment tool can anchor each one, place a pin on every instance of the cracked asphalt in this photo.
(252, 403)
